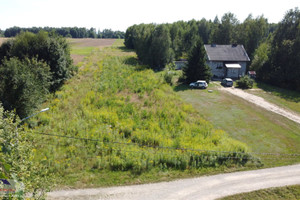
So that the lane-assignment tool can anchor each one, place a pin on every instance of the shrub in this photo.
(52, 49)
(17, 158)
(168, 76)
(24, 84)
(245, 82)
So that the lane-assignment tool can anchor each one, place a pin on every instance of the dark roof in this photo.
(226, 52)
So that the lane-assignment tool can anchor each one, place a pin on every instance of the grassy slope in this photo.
(112, 101)
(263, 131)
(287, 99)
(289, 192)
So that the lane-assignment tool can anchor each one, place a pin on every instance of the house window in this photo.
(219, 67)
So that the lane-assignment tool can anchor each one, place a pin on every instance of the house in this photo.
(226, 60)
(179, 64)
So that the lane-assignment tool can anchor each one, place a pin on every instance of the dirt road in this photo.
(209, 187)
(263, 103)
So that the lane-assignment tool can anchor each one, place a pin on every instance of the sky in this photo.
(120, 14)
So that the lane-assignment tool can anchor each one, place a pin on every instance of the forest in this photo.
(71, 32)
(272, 48)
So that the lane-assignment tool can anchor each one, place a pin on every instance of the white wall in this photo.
(218, 69)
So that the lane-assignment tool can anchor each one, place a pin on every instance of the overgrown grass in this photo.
(135, 123)
(264, 132)
(288, 193)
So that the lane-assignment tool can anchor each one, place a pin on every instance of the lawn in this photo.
(288, 192)
(263, 131)
(284, 98)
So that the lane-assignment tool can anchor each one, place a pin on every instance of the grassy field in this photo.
(289, 192)
(117, 122)
(290, 100)
(81, 48)
(264, 132)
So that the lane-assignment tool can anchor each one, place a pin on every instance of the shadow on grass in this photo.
(181, 87)
(286, 94)
(134, 62)
(124, 49)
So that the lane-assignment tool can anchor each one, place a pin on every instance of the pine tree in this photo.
(196, 69)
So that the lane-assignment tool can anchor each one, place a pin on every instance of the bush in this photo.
(23, 84)
(17, 159)
(168, 76)
(52, 50)
(245, 82)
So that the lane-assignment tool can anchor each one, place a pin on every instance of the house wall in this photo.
(243, 69)
(219, 70)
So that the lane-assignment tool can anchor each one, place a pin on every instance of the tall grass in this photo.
(134, 120)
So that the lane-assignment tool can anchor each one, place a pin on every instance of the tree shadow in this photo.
(181, 87)
(134, 62)
(286, 94)
(124, 49)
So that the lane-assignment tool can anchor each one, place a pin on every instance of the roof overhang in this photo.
(233, 66)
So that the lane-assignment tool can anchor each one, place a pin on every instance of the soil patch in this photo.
(91, 42)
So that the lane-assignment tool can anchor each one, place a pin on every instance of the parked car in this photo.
(227, 82)
(199, 84)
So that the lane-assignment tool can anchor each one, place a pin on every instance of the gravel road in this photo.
(262, 103)
(208, 187)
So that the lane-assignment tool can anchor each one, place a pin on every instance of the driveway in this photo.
(262, 103)
(208, 187)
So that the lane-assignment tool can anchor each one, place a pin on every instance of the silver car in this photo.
(227, 82)
(199, 84)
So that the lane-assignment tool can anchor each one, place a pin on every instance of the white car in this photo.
(199, 84)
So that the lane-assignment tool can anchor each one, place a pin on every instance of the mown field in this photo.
(117, 122)
(268, 135)
(287, 99)
(288, 192)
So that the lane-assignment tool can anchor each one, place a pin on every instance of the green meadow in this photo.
(117, 122)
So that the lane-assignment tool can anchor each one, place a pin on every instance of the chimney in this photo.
(234, 45)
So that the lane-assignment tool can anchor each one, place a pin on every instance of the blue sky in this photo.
(120, 14)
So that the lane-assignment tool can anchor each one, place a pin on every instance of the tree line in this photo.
(277, 59)
(71, 32)
(176, 40)
(272, 48)
(31, 67)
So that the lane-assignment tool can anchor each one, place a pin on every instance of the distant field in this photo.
(3, 40)
(82, 47)
(90, 42)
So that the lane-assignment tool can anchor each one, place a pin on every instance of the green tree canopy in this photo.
(283, 66)
(17, 158)
(160, 49)
(24, 84)
(196, 68)
(53, 50)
